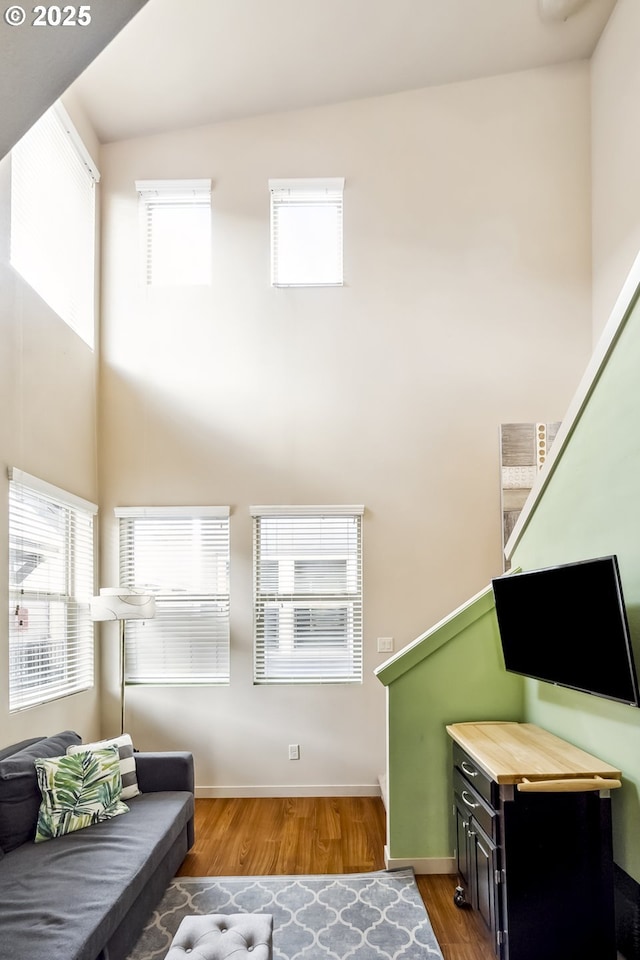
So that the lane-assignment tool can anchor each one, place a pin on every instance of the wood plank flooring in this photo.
(307, 835)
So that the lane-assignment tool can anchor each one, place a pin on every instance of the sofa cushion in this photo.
(78, 790)
(64, 900)
(19, 792)
(128, 773)
(17, 747)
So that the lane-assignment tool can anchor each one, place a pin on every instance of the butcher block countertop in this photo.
(522, 753)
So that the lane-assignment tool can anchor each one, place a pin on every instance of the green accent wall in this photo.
(450, 674)
(590, 507)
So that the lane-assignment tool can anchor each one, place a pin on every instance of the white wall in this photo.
(615, 93)
(48, 429)
(466, 304)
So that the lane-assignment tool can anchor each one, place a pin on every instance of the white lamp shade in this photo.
(120, 603)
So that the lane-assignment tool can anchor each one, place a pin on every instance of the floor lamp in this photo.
(120, 603)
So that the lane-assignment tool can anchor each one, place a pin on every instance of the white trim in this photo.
(49, 490)
(166, 189)
(326, 510)
(421, 865)
(221, 512)
(383, 782)
(320, 184)
(292, 790)
(400, 654)
(621, 310)
(76, 140)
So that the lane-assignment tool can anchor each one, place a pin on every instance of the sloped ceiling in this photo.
(38, 63)
(183, 63)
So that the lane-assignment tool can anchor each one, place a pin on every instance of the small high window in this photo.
(176, 231)
(306, 232)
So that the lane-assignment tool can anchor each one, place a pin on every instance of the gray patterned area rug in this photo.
(358, 916)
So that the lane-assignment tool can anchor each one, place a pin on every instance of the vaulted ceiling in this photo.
(183, 63)
(38, 62)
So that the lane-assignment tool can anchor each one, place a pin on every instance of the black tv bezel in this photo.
(622, 628)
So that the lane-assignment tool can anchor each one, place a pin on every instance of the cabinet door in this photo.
(462, 845)
(558, 893)
(484, 863)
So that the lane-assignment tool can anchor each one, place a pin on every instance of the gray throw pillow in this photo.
(128, 772)
(19, 792)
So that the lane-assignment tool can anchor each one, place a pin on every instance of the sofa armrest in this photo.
(166, 770)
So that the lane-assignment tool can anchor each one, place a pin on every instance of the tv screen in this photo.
(567, 625)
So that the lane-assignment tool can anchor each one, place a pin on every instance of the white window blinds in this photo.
(50, 585)
(306, 232)
(308, 593)
(53, 218)
(181, 556)
(176, 231)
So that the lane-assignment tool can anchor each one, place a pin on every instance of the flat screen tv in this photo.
(567, 625)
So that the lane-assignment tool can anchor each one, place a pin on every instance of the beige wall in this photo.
(466, 304)
(48, 429)
(615, 91)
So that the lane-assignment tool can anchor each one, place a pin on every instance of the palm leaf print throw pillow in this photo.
(78, 790)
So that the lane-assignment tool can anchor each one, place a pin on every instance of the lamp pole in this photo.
(122, 603)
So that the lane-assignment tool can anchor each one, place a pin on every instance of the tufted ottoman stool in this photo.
(219, 936)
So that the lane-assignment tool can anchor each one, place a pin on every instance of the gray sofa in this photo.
(88, 894)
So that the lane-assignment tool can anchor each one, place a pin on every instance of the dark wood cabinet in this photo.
(477, 837)
(534, 860)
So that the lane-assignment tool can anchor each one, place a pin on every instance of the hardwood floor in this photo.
(306, 835)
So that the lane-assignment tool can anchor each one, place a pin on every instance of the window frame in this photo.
(63, 272)
(326, 652)
(66, 602)
(151, 652)
(310, 197)
(157, 199)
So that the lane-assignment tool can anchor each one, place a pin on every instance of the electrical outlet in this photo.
(294, 751)
(385, 644)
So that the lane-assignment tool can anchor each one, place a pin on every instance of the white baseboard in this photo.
(300, 790)
(383, 781)
(421, 865)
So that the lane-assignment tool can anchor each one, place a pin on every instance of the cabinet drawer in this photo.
(475, 806)
(478, 779)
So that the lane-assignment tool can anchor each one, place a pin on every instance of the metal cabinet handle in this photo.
(469, 802)
(470, 772)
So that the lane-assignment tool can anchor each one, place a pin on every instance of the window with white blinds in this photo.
(50, 585)
(53, 203)
(306, 232)
(307, 593)
(176, 231)
(181, 556)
